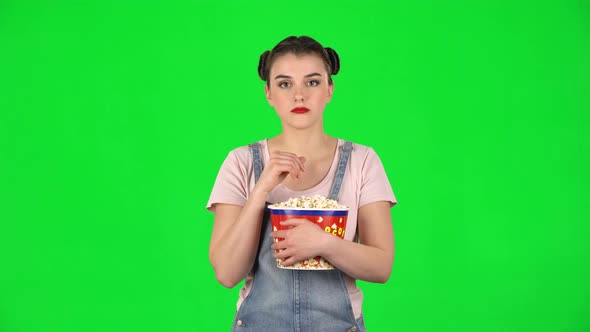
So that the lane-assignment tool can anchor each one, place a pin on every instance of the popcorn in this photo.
(325, 213)
(317, 263)
(313, 202)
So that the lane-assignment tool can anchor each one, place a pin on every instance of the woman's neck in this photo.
(303, 143)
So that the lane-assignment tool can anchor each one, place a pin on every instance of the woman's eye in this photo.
(284, 85)
(313, 83)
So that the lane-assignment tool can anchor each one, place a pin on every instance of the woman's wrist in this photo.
(328, 245)
(258, 195)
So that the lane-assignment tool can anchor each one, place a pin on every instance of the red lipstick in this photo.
(300, 110)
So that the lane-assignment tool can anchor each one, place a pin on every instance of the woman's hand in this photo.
(303, 241)
(279, 166)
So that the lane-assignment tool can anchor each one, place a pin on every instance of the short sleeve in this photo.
(375, 184)
(231, 184)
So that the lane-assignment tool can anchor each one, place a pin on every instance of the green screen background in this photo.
(116, 115)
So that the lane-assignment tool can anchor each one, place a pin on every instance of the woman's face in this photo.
(297, 83)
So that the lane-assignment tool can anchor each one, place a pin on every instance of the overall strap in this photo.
(342, 163)
(257, 160)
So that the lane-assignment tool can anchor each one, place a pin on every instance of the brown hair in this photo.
(298, 46)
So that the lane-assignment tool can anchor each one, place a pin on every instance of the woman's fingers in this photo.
(283, 253)
(300, 161)
(286, 166)
(279, 166)
(296, 167)
(279, 245)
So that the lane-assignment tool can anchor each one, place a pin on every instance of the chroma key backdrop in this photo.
(115, 117)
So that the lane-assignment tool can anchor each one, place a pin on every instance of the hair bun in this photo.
(334, 60)
(262, 65)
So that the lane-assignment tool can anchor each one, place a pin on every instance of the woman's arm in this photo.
(236, 230)
(235, 238)
(370, 260)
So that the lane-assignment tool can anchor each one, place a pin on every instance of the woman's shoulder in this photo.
(243, 153)
(359, 150)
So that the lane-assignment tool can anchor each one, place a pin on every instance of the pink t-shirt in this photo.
(364, 182)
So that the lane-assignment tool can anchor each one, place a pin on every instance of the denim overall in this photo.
(295, 300)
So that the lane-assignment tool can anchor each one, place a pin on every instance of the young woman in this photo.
(301, 160)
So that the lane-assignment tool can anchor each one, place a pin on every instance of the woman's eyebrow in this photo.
(313, 74)
(282, 76)
(287, 76)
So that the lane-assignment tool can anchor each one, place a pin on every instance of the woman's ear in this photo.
(267, 93)
(330, 91)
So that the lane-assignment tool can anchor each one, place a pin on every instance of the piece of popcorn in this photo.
(314, 202)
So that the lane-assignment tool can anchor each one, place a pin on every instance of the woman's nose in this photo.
(298, 94)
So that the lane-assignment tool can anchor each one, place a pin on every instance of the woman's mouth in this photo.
(300, 110)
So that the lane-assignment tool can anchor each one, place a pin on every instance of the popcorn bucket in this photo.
(330, 220)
